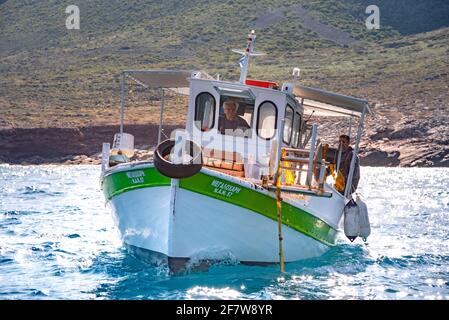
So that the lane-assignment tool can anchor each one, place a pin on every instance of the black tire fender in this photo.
(177, 171)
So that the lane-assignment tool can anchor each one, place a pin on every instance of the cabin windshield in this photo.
(236, 115)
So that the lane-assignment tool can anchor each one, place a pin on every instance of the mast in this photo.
(246, 54)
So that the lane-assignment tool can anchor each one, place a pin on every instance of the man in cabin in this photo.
(231, 121)
(345, 162)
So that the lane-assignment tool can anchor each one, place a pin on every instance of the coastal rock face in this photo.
(70, 145)
(412, 137)
(397, 138)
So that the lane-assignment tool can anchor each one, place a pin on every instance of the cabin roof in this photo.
(326, 103)
(318, 101)
(176, 80)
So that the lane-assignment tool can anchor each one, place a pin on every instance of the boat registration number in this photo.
(224, 189)
(136, 177)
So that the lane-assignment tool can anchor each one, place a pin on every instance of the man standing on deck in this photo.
(345, 162)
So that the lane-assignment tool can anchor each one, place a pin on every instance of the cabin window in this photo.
(296, 130)
(288, 124)
(304, 135)
(266, 120)
(204, 111)
(236, 115)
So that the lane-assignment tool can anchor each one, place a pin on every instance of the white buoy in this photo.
(365, 228)
(352, 220)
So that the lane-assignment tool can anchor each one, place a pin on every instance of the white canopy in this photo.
(325, 103)
(175, 80)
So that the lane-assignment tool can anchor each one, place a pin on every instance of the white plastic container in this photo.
(252, 168)
(124, 143)
(352, 220)
(365, 228)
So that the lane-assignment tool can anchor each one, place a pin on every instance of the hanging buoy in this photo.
(351, 220)
(365, 228)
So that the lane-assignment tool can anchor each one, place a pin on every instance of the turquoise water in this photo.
(58, 241)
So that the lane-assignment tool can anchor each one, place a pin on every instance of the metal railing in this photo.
(300, 160)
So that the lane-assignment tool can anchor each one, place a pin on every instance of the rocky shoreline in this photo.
(70, 145)
(406, 144)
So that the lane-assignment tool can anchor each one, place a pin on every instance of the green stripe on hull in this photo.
(236, 194)
(227, 191)
(123, 181)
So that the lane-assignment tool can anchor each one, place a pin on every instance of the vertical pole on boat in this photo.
(244, 60)
(338, 157)
(350, 126)
(161, 116)
(311, 155)
(348, 188)
(339, 145)
(105, 156)
(279, 149)
(277, 180)
(122, 101)
(321, 178)
(279, 208)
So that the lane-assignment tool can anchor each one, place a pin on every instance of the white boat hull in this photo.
(192, 222)
(202, 227)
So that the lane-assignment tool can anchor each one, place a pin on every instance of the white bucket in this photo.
(252, 168)
(124, 143)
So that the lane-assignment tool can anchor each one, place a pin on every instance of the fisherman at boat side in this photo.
(231, 121)
(345, 162)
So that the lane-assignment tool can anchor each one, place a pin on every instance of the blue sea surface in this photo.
(59, 241)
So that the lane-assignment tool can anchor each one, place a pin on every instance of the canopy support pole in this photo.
(161, 116)
(348, 188)
(338, 157)
(350, 127)
(122, 101)
(311, 156)
(279, 148)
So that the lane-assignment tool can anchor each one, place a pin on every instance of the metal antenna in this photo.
(313, 111)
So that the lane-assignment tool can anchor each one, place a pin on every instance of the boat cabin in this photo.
(236, 124)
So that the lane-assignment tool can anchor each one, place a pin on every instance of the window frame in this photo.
(303, 135)
(299, 130)
(293, 120)
(213, 113)
(275, 120)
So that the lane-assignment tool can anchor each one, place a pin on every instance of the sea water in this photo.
(59, 241)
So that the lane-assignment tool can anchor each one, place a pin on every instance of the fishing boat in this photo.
(249, 176)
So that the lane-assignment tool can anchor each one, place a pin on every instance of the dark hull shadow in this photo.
(182, 265)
